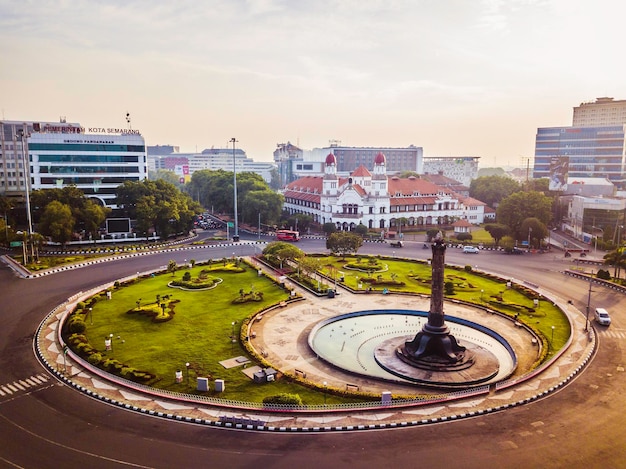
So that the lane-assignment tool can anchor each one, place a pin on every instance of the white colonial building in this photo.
(377, 201)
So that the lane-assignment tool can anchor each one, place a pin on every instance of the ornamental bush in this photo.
(283, 399)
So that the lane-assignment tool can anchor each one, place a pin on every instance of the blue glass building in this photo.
(592, 151)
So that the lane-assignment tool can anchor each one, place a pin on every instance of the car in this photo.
(470, 250)
(602, 317)
(396, 244)
(514, 250)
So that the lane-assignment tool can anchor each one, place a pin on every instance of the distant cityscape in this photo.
(586, 159)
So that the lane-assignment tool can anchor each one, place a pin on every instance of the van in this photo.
(602, 317)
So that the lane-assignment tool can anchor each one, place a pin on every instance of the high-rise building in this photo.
(46, 155)
(602, 112)
(95, 163)
(590, 151)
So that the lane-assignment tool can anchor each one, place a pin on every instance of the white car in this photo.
(470, 250)
(602, 317)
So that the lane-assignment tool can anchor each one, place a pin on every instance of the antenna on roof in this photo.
(128, 120)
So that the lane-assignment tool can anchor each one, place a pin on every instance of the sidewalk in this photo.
(282, 335)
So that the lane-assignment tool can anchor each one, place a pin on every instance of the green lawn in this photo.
(200, 332)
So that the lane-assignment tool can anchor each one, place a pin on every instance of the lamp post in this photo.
(26, 167)
(481, 295)
(588, 303)
(325, 386)
(530, 230)
(595, 248)
(187, 366)
(552, 336)
(236, 233)
(111, 341)
(91, 316)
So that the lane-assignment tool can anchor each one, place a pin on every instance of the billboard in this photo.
(559, 169)
(118, 225)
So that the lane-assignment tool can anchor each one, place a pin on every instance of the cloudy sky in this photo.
(456, 77)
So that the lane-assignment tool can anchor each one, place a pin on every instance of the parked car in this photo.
(602, 317)
(515, 250)
(470, 250)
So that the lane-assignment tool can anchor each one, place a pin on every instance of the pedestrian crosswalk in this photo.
(22, 385)
(613, 334)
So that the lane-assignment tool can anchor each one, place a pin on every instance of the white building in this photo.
(459, 168)
(214, 159)
(95, 163)
(377, 201)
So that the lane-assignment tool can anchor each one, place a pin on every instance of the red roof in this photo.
(361, 171)
(330, 159)
(413, 186)
(380, 158)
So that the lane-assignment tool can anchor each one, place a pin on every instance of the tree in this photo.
(519, 206)
(93, 215)
(158, 205)
(361, 229)
(329, 227)
(57, 222)
(283, 251)
(497, 231)
(493, 189)
(535, 230)
(344, 242)
(266, 203)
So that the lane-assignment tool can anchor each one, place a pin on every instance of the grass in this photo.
(200, 332)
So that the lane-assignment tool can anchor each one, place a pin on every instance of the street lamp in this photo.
(325, 386)
(26, 167)
(588, 303)
(91, 316)
(236, 234)
(481, 295)
(530, 230)
(552, 337)
(187, 366)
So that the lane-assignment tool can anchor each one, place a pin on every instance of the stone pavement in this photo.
(281, 335)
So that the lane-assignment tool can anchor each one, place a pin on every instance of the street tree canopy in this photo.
(517, 207)
(157, 205)
(57, 222)
(493, 189)
(344, 242)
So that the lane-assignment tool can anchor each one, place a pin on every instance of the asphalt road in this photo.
(51, 425)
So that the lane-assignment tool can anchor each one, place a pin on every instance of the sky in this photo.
(456, 77)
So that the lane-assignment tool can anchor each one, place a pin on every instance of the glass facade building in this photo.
(592, 151)
(96, 164)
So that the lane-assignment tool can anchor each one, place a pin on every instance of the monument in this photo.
(434, 347)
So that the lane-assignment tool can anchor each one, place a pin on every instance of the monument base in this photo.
(480, 366)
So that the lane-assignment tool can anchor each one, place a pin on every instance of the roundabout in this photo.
(577, 427)
(282, 337)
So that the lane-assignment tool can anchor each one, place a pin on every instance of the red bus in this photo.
(287, 235)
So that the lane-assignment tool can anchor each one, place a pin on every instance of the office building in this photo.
(592, 152)
(95, 163)
(602, 112)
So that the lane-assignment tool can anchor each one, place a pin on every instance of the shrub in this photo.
(464, 236)
(604, 274)
(449, 288)
(76, 325)
(283, 399)
(467, 268)
(187, 276)
(95, 358)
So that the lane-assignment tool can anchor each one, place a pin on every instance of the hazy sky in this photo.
(459, 77)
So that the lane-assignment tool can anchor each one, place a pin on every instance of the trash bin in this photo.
(235, 238)
(331, 293)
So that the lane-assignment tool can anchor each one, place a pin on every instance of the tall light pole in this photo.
(26, 167)
(236, 233)
(588, 302)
